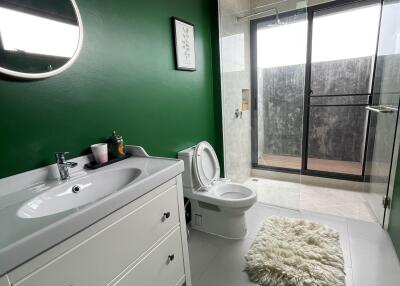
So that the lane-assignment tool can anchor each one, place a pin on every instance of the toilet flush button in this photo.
(198, 220)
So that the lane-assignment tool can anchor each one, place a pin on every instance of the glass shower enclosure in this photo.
(324, 93)
(382, 151)
(312, 79)
(237, 57)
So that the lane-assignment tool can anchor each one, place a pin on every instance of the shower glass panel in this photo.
(278, 56)
(344, 40)
(280, 63)
(386, 93)
(336, 139)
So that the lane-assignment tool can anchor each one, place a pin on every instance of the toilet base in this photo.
(225, 222)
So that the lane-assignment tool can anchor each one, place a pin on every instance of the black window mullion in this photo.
(307, 92)
(338, 95)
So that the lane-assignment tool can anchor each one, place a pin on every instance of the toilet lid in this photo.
(206, 166)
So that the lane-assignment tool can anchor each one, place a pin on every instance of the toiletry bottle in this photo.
(117, 148)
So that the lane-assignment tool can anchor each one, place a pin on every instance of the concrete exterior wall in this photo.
(336, 133)
(283, 89)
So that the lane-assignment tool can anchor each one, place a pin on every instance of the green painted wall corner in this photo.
(122, 81)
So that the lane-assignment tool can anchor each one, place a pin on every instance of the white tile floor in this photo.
(317, 198)
(369, 255)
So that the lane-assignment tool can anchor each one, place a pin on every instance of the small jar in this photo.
(117, 147)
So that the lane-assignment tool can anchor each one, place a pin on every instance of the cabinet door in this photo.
(106, 254)
(162, 266)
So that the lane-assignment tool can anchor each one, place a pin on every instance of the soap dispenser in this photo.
(117, 148)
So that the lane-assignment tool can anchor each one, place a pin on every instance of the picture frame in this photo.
(184, 42)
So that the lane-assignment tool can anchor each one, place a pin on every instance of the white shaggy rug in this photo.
(295, 252)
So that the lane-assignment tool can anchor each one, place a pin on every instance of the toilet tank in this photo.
(187, 157)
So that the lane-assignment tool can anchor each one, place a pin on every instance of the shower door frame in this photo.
(307, 93)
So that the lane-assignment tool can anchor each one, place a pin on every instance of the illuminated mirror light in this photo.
(37, 35)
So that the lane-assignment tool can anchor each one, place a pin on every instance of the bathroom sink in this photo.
(38, 211)
(76, 193)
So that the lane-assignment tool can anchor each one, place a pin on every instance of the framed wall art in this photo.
(185, 54)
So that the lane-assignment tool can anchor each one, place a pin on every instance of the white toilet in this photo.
(218, 206)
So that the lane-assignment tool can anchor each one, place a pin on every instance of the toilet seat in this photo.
(206, 165)
(213, 190)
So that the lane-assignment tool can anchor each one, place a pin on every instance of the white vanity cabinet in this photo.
(143, 243)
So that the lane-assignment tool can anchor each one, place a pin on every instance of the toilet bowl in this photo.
(217, 205)
(228, 195)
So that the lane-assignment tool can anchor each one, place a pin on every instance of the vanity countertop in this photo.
(23, 238)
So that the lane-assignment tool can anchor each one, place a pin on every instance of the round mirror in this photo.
(39, 38)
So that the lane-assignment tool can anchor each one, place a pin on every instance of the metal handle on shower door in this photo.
(382, 108)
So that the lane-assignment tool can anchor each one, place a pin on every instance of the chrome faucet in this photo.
(63, 165)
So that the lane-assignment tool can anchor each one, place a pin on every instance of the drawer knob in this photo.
(171, 258)
(166, 215)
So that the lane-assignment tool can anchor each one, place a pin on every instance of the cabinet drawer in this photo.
(157, 268)
(104, 255)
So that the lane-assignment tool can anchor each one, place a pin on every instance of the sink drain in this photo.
(76, 189)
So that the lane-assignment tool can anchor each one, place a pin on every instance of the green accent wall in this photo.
(219, 148)
(123, 80)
